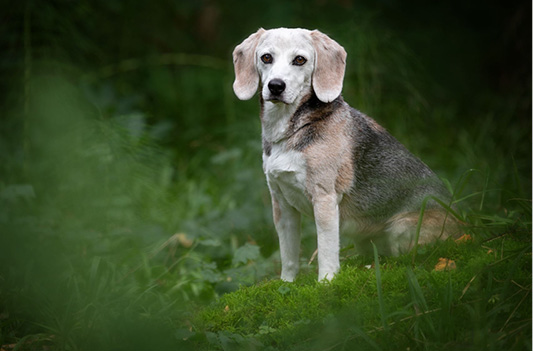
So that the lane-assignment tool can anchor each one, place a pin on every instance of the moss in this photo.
(421, 305)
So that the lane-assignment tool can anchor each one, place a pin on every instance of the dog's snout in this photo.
(276, 86)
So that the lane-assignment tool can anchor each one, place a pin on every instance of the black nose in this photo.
(276, 86)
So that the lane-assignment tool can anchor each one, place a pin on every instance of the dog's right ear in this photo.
(246, 75)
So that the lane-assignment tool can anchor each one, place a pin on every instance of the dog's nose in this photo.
(276, 86)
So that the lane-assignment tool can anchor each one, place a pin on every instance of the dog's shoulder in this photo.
(315, 121)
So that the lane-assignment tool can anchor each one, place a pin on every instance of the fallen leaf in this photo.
(226, 309)
(445, 264)
(463, 239)
(183, 240)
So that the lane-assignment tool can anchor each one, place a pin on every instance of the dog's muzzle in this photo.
(276, 87)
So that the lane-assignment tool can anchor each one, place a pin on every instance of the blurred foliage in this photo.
(131, 185)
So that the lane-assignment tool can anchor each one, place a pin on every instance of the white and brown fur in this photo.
(327, 160)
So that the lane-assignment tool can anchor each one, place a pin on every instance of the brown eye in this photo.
(266, 58)
(299, 61)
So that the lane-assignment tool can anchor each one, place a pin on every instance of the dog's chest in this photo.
(286, 175)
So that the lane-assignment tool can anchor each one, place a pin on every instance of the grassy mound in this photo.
(480, 300)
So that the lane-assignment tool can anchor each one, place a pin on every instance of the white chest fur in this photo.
(285, 169)
(286, 175)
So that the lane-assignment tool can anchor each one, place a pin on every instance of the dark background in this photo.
(471, 59)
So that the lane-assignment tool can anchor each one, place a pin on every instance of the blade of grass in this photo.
(461, 183)
(516, 175)
(482, 202)
(416, 291)
(418, 226)
(449, 210)
(420, 305)
(379, 288)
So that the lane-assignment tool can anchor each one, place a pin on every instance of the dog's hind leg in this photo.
(437, 224)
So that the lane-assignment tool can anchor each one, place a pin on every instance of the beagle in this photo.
(324, 159)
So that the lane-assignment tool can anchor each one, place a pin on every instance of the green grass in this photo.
(483, 304)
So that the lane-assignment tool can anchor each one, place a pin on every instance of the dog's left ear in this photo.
(246, 75)
(329, 67)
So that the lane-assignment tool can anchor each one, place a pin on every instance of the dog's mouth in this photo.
(276, 99)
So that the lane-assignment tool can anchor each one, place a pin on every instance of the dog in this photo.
(325, 159)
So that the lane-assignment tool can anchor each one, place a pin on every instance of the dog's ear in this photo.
(246, 75)
(330, 63)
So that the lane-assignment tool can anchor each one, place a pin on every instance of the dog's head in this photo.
(289, 63)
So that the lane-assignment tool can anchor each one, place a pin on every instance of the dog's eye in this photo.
(266, 58)
(299, 61)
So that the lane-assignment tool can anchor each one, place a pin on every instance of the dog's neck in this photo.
(280, 121)
(276, 117)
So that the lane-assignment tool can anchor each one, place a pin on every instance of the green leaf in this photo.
(284, 289)
(245, 253)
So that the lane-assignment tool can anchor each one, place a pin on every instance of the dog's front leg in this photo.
(287, 222)
(326, 211)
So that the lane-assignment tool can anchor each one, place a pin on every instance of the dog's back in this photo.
(388, 179)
